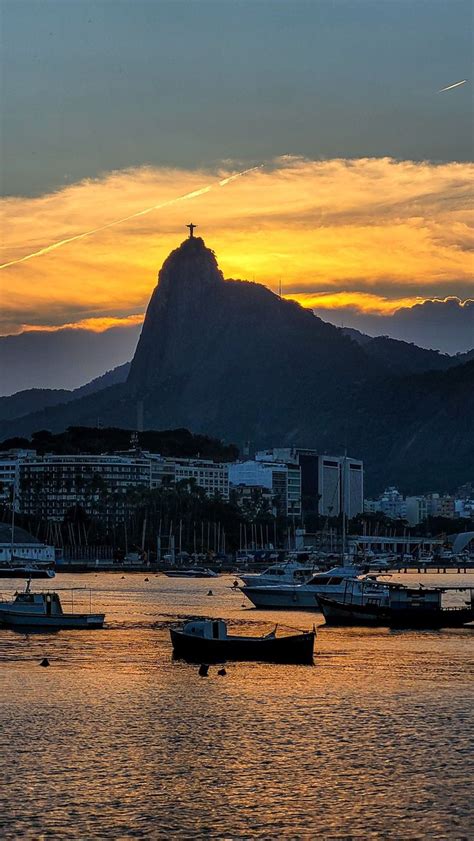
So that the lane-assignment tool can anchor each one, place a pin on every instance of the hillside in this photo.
(35, 399)
(404, 357)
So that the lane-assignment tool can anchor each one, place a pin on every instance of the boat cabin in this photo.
(333, 577)
(210, 629)
(404, 598)
(44, 604)
(291, 569)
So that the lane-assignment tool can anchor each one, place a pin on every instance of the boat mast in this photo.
(13, 520)
(343, 507)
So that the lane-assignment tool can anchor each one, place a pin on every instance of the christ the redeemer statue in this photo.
(191, 229)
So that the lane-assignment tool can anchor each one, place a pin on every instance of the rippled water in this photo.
(116, 741)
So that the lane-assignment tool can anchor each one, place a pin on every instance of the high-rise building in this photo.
(329, 484)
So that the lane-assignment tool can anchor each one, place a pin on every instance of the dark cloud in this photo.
(446, 325)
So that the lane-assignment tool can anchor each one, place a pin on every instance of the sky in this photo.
(359, 196)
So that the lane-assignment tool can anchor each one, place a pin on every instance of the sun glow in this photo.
(363, 302)
(375, 234)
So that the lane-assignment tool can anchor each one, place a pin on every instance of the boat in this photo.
(399, 607)
(207, 641)
(303, 596)
(288, 572)
(43, 611)
(191, 572)
(19, 568)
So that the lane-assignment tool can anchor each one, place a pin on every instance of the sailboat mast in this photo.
(343, 507)
(13, 520)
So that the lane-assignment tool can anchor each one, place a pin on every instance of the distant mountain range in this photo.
(232, 360)
(405, 357)
(62, 359)
(35, 399)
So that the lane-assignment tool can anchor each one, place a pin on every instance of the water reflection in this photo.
(117, 741)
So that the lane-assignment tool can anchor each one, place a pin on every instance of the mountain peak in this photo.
(190, 266)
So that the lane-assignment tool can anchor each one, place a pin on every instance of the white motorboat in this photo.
(305, 596)
(43, 611)
(287, 572)
(191, 572)
(18, 568)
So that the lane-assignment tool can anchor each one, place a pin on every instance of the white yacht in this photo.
(292, 571)
(305, 596)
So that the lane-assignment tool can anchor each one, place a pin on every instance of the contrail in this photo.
(194, 194)
(456, 85)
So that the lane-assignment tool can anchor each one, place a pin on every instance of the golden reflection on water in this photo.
(115, 740)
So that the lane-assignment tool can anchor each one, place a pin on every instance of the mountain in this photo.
(62, 359)
(404, 357)
(35, 399)
(232, 360)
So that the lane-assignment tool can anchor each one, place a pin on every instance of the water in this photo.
(117, 741)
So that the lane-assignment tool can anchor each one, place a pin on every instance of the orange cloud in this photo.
(360, 301)
(97, 325)
(385, 232)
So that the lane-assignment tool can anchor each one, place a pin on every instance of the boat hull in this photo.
(297, 649)
(190, 574)
(272, 598)
(64, 621)
(340, 613)
(26, 572)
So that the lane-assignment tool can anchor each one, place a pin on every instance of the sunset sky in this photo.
(359, 196)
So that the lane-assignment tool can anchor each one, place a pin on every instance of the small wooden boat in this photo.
(43, 611)
(207, 641)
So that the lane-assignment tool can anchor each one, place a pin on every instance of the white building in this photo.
(49, 485)
(9, 467)
(391, 503)
(209, 475)
(10, 473)
(25, 546)
(417, 508)
(283, 480)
